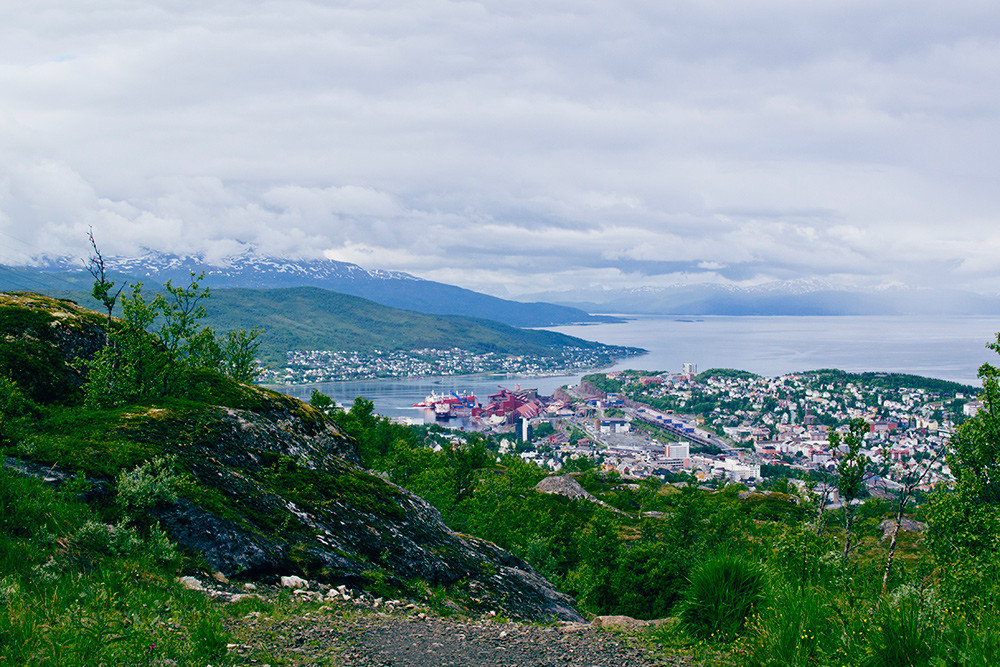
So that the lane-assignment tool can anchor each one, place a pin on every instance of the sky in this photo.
(513, 147)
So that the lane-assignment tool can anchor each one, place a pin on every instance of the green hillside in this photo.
(312, 318)
(309, 318)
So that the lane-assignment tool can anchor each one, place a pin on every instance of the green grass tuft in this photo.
(724, 594)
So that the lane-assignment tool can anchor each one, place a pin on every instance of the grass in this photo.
(78, 592)
(725, 592)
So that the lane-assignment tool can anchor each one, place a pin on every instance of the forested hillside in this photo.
(311, 318)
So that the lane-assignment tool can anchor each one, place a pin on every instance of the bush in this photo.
(152, 484)
(16, 411)
(723, 595)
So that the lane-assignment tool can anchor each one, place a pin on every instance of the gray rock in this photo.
(564, 485)
(354, 522)
(618, 622)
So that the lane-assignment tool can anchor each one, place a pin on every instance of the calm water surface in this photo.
(946, 348)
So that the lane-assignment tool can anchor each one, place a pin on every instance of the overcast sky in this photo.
(512, 145)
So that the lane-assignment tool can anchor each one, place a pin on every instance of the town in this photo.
(307, 366)
(726, 425)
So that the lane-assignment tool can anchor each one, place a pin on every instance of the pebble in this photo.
(376, 639)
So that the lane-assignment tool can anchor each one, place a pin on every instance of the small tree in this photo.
(181, 313)
(141, 364)
(911, 480)
(104, 289)
(132, 366)
(322, 402)
(239, 354)
(964, 519)
(852, 471)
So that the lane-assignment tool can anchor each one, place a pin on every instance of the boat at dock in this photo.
(447, 401)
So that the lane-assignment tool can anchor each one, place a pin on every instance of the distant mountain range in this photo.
(312, 318)
(778, 298)
(389, 288)
(402, 290)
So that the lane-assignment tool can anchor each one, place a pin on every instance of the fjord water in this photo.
(949, 348)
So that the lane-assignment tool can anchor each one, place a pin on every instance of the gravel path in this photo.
(338, 637)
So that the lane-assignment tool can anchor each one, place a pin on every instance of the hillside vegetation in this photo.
(388, 288)
(110, 491)
(128, 461)
(311, 318)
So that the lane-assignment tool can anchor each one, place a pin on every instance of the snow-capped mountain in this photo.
(250, 271)
(389, 288)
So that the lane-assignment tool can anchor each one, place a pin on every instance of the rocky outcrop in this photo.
(564, 485)
(906, 525)
(277, 491)
(43, 341)
(270, 486)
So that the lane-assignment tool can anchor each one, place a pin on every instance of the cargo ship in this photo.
(445, 404)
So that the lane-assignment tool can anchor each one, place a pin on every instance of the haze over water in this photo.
(950, 348)
(947, 348)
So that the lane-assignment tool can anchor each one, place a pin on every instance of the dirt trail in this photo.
(344, 637)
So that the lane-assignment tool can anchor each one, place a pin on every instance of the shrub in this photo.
(723, 594)
(94, 542)
(16, 411)
(152, 484)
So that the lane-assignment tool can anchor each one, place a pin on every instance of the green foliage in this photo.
(149, 486)
(180, 313)
(75, 591)
(30, 353)
(322, 402)
(543, 430)
(138, 365)
(853, 468)
(724, 594)
(965, 520)
(602, 382)
(725, 373)
(891, 381)
(308, 318)
(134, 365)
(82, 439)
(903, 632)
(805, 556)
(17, 412)
(310, 488)
(104, 289)
(800, 628)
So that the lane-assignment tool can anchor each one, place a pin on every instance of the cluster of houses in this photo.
(755, 422)
(787, 421)
(307, 366)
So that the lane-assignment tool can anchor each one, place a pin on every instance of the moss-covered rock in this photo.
(42, 343)
(266, 484)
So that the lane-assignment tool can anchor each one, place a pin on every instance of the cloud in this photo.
(508, 145)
